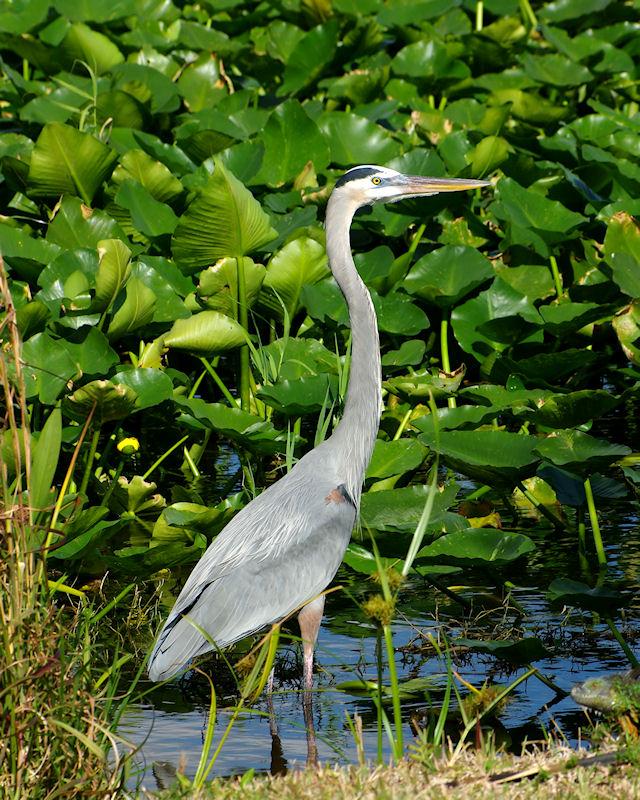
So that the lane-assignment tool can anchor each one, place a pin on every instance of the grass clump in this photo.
(54, 736)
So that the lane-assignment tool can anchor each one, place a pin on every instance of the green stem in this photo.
(114, 481)
(479, 15)
(582, 543)
(379, 715)
(547, 681)
(243, 319)
(595, 525)
(166, 453)
(444, 354)
(528, 15)
(395, 692)
(479, 492)
(218, 380)
(402, 425)
(191, 463)
(90, 459)
(416, 239)
(557, 277)
(625, 647)
(557, 523)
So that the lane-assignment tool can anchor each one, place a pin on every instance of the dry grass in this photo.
(471, 777)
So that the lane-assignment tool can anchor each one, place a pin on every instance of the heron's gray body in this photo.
(283, 549)
(258, 569)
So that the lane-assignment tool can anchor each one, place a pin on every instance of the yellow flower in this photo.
(129, 446)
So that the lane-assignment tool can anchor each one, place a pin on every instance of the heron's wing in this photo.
(278, 553)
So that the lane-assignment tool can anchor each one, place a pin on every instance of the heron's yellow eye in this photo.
(375, 181)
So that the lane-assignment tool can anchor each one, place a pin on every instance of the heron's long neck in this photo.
(355, 436)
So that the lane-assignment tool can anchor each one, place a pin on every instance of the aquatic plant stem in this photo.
(595, 525)
(398, 743)
(528, 15)
(557, 278)
(166, 453)
(555, 521)
(219, 383)
(582, 543)
(243, 319)
(379, 714)
(93, 448)
(67, 480)
(625, 647)
(444, 353)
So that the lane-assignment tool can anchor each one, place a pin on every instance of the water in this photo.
(170, 726)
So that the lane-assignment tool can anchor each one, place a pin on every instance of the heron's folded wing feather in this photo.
(278, 553)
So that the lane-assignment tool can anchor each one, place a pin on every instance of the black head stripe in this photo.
(354, 175)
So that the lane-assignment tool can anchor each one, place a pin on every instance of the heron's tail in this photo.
(175, 648)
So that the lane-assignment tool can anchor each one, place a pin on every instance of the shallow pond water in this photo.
(170, 726)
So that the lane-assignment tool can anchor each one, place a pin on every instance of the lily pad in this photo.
(111, 401)
(448, 274)
(401, 509)
(520, 651)
(601, 599)
(477, 547)
(493, 457)
(305, 395)
(395, 458)
(207, 332)
(578, 452)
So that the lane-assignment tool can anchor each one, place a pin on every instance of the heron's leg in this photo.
(309, 620)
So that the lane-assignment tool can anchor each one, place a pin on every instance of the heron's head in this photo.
(370, 184)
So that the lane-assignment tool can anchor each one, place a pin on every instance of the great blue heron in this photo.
(281, 551)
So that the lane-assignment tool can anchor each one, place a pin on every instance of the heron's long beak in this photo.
(415, 185)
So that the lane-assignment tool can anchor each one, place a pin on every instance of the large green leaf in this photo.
(241, 427)
(477, 547)
(224, 219)
(305, 395)
(148, 215)
(575, 593)
(205, 333)
(578, 452)
(135, 311)
(301, 262)
(356, 140)
(309, 57)
(533, 220)
(622, 252)
(218, 287)
(447, 274)
(156, 178)
(108, 400)
(401, 509)
(152, 386)
(82, 43)
(490, 456)
(395, 457)
(113, 271)
(66, 161)
(499, 301)
(47, 368)
(76, 225)
(291, 140)
(44, 460)
(290, 358)
(429, 59)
